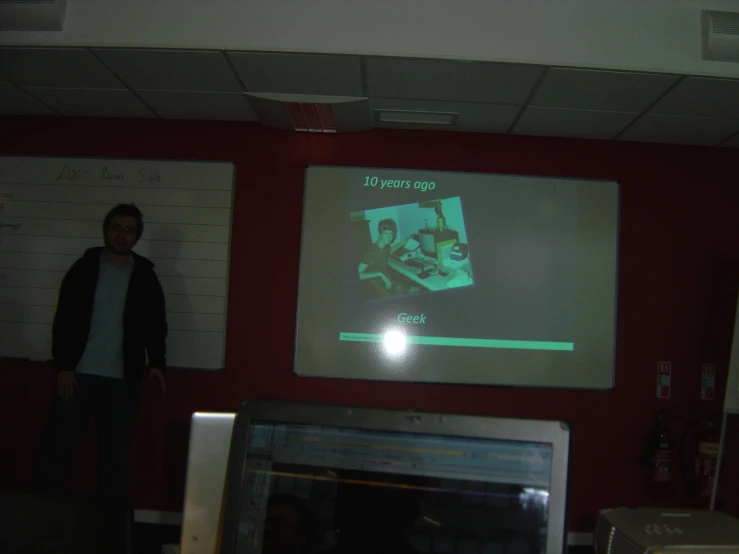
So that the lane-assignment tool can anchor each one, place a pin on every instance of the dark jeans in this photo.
(114, 401)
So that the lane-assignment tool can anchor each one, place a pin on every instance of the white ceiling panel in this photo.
(555, 122)
(474, 96)
(733, 142)
(609, 91)
(92, 103)
(700, 97)
(14, 101)
(225, 106)
(299, 73)
(487, 118)
(181, 70)
(55, 67)
(491, 83)
(671, 129)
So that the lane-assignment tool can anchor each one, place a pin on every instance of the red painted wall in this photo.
(678, 276)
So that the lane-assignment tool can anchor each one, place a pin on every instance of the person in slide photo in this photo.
(374, 262)
(109, 318)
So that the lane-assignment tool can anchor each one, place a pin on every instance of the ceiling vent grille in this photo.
(720, 31)
(311, 117)
(416, 117)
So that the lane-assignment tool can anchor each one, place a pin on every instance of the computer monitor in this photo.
(205, 484)
(309, 479)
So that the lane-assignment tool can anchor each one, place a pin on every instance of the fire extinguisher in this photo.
(706, 461)
(661, 451)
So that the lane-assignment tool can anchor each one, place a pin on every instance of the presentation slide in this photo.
(457, 277)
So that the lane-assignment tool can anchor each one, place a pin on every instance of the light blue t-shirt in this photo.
(104, 351)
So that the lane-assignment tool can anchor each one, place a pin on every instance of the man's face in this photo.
(120, 237)
(386, 236)
(281, 531)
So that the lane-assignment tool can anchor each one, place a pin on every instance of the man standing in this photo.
(110, 316)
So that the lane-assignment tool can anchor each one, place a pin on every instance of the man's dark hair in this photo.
(306, 527)
(388, 225)
(125, 210)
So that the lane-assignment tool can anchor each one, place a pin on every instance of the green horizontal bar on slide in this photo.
(478, 343)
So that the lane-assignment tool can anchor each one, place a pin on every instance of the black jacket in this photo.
(144, 318)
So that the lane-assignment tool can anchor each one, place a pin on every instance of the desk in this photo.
(434, 282)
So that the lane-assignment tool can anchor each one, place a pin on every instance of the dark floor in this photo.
(149, 538)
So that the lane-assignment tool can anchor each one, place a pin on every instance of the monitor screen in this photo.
(312, 489)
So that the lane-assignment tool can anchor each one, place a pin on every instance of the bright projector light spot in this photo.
(394, 342)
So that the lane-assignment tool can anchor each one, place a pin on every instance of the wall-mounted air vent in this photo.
(311, 117)
(311, 113)
(32, 15)
(720, 36)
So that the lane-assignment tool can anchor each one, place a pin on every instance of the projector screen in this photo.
(415, 275)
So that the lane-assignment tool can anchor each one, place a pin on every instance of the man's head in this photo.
(288, 526)
(122, 228)
(387, 230)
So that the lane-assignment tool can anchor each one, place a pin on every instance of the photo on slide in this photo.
(411, 248)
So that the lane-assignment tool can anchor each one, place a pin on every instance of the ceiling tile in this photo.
(488, 118)
(425, 79)
(92, 103)
(227, 106)
(610, 91)
(14, 101)
(680, 130)
(701, 97)
(299, 73)
(185, 70)
(55, 67)
(555, 122)
(733, 142)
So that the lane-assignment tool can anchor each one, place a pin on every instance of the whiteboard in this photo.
(731, 400)
(51, 211)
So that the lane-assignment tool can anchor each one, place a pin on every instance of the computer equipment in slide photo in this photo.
(373, 480)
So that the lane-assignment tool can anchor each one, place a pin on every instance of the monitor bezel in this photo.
(556, 433)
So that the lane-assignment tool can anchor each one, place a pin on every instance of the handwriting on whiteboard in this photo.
(11, 226)
(105, 173)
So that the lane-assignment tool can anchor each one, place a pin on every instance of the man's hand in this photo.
(156, 373)
(66, 382)
(388, 283)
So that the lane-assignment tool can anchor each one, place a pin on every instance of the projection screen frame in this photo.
(320, 353)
